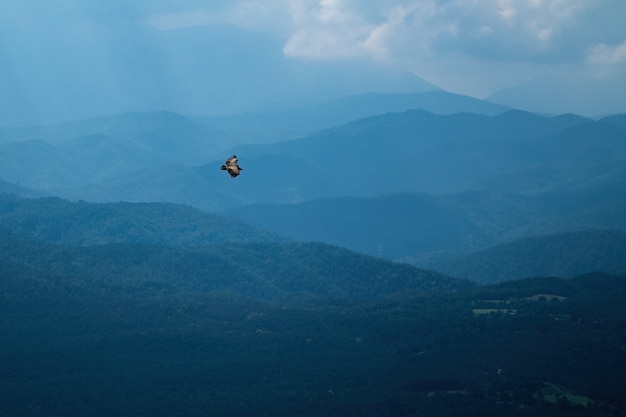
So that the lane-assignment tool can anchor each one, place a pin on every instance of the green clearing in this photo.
(553, 393)
(486, 311)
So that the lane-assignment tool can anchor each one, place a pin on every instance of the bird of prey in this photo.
(231, 166)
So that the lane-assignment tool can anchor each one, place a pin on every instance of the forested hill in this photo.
(561, 255)
(288, 328)
(56, 220)
(130, 330)
(270, 272)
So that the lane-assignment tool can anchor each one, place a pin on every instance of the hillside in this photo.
(560, 255)
(139, 329)
(392, 226)
(405, 225)
(84, 224)
(291, 273)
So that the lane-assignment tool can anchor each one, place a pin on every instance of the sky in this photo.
(77, 58)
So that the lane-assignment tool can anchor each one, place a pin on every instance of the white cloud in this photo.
(506, 9)
(603, 54)
(342, 28)
(338, 28)
(327, 29)
(441, 35)
(418, 29)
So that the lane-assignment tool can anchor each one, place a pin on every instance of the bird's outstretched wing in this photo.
(232, 161)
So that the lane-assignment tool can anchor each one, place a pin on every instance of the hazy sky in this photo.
(468, 46)
(126, 54)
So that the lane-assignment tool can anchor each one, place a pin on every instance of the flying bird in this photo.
(231, 166)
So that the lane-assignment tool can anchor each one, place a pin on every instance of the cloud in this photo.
(401, 30)
(607, 62)
(603, 54)
(434, 38)
(327, 29)
(404, 30)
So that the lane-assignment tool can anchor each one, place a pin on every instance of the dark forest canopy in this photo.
(277, 272)
(84, 224)
(296, 329)
(252, 327)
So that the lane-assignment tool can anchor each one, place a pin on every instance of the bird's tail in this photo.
(223, 168)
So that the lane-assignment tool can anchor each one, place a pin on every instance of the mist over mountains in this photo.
(412, 151)
(399, 176)
(187, 71)
(556, 94)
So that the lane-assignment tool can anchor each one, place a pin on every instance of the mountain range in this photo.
(398, 182)
(152, 283)
(450, 244)
(412, 151)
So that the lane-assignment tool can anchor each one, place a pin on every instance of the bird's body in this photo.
(231, 166)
